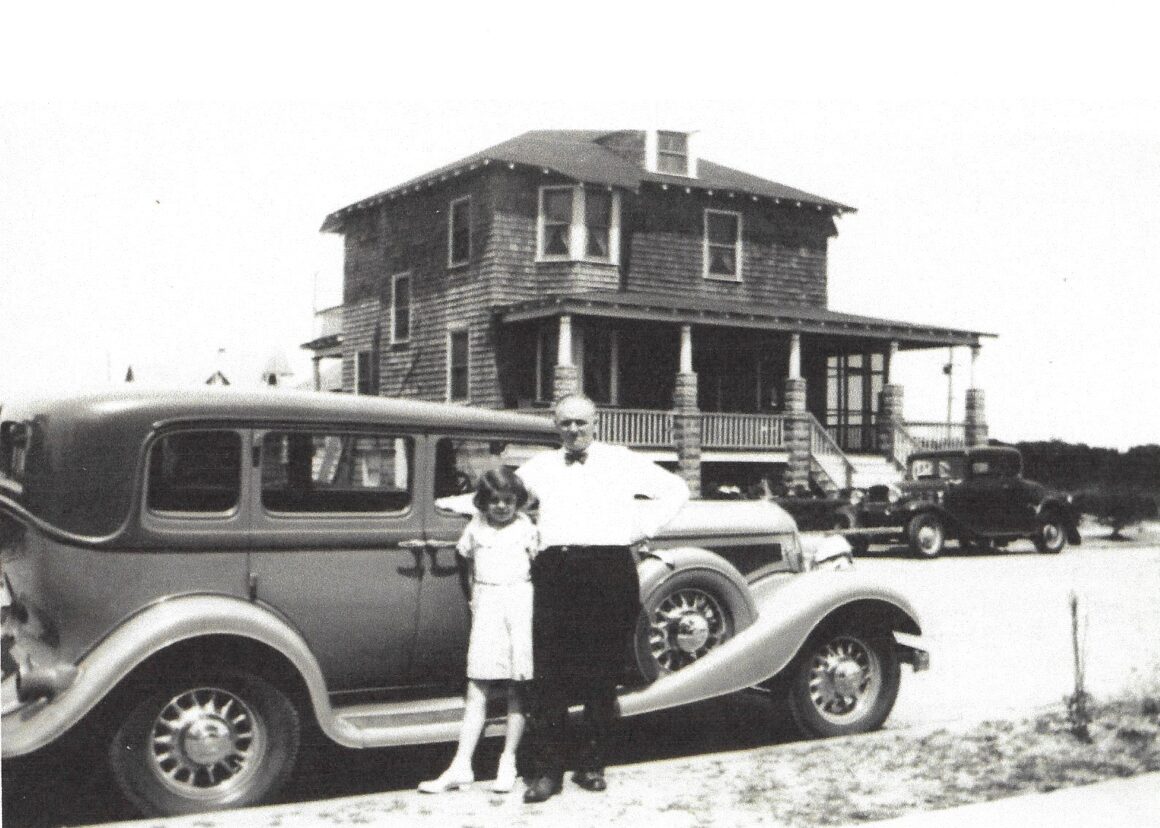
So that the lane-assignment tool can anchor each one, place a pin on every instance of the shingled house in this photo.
(687, 298)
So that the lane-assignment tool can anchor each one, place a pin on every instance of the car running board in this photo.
(394, 724)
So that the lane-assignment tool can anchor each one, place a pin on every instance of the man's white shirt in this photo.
(614, 498)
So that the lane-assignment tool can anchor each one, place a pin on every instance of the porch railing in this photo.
(931, 435)
(902, 445)
(829, 455)
(743, 431)
(635, 427)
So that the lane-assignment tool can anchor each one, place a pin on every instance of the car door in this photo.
(444, 616)
(983, 500)
(338, 547)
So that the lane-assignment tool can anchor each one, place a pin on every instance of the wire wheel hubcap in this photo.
(685, 626)
(844, 678)
(929, 537)
(206, 742)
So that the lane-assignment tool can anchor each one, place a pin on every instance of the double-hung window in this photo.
(673, 153)
(722, 247)
(458, 379)
(401, 307)
(459, 232)
(578, 224)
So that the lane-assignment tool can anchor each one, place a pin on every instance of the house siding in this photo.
(783, 251)
(783, 262)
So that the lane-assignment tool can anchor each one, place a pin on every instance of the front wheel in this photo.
(684, 618)
(1050, 535)
(223, 741)
(843, 682)
(926, 535)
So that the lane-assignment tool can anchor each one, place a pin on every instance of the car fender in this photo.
(790, 609)
(172, 621)
(1067, 512)
(658, 567)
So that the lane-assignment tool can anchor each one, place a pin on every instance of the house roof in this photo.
(737, 314)
(575, 154)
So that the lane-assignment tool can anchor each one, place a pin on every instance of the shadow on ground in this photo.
(70, 785)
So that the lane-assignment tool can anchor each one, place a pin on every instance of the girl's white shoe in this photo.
(505, 776)
(450, 780)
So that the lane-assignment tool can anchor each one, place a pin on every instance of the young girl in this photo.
(498, 544)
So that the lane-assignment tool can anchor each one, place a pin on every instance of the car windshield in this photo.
(936, 468)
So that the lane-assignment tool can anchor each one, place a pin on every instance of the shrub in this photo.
(1116, 508)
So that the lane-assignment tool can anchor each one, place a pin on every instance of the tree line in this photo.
(1118, 488)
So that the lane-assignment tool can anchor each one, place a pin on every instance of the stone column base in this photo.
(797, 436)
(687, 431)
(565, 381)
(976, 425)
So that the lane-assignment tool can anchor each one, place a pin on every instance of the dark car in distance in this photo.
(977, 496)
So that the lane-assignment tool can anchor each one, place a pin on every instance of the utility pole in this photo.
(949, 370)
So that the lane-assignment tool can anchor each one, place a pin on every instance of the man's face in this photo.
(576, 419)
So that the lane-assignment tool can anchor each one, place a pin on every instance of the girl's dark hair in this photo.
(499, 481)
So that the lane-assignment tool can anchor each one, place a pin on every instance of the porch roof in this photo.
(657, 307)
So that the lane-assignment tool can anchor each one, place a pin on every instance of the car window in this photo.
(306, 471)
(937, 468)
(459, 463)
(195, 471)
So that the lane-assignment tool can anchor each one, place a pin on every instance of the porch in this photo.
(763, 437)
(702, 380)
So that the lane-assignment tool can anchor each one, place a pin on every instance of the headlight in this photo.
(893, 494)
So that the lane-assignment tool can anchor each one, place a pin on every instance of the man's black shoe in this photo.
(541, 788)
(590, 780)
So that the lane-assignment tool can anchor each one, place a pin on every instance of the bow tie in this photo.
(575, 457)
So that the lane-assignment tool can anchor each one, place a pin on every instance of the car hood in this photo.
(708, 518)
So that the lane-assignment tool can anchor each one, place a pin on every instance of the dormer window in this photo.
(576, 223)
(670, 152)
(673, 153)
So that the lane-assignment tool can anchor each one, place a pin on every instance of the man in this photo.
(595, 501)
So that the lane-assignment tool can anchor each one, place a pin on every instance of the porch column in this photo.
(795, 356)
(317, 371)
(890, 417)
(976, 424)
(565, 377)
(687, 417)
(797, 431)
(889, 408)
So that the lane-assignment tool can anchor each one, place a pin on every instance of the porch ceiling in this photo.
(697, 311)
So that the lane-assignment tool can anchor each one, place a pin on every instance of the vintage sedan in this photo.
(975, 495)
(192, 576)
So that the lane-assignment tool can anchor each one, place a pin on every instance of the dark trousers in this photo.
(586, 605)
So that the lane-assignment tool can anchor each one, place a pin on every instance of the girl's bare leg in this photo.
(505, 776)
(459, 773)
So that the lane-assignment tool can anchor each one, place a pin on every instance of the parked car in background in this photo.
(189, 577)
(976, 496)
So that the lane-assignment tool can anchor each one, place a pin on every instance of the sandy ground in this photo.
(1002, 649)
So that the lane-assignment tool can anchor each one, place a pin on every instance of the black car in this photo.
(975, 495)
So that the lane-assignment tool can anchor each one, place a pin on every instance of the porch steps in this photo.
(873, 470)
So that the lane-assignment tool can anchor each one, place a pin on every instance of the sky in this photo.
(161, 197)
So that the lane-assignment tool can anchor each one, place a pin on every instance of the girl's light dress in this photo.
(500, 646)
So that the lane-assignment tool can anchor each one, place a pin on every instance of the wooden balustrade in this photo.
(937, 435)
(636, 428)
(743, 431)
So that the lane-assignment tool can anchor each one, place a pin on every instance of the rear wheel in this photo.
(1050, 535)
(222, 741)
(843, 682)
(926, 535)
